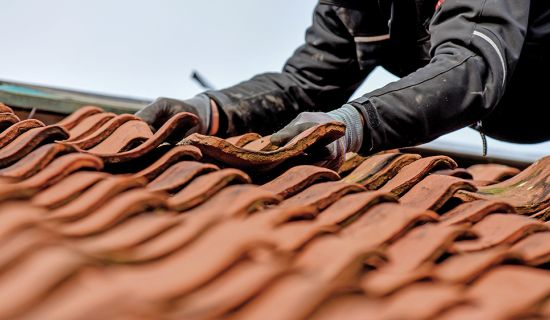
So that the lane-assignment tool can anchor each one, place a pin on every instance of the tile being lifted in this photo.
(229, 154)
(261, 144)
(244, 139)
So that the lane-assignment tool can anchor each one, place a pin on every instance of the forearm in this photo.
(475, 48)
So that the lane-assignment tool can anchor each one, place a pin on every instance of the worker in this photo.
(462, 63)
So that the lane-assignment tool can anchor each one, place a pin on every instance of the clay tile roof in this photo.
(101, 217)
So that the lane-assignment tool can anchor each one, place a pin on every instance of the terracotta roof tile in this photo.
(204, 187)
(35, 161)
(463, 268)
(117, 222)
(5, 109)
(534, 249)
(298, 178)
(519, 289)
(94, 197)
(412, 173)
(526, 191)
(230, 154)
(67, 189)
(179, 174)
(244, 139)
(172, 156)
(233, 288)
(498, 229)
(103, 132)
(126, 136)
(173, 130)
(123, 206)
(321, 195)
(89, 125)
(76, 117)
(28, 141)
(492, 172)
(471, 212)
(7, 119)
(434, 190)
(378, 169)
(15, 130)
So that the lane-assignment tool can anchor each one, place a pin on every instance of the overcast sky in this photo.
(147, 49)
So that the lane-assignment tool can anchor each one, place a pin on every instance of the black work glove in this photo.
(162, 109)
(331, 156)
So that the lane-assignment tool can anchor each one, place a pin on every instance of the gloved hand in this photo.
(162, 109)
(331, 156)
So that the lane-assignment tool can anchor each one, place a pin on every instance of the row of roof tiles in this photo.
(102, 218)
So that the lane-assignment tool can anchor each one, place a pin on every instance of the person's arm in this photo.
(321, 74)
(475, 48)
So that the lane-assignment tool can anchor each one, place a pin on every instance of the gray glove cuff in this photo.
(201, 103)
(354, 127)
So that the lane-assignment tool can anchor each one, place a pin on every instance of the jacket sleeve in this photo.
(475, 45)
(321, 74)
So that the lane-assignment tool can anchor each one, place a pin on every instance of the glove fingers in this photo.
(286, 134)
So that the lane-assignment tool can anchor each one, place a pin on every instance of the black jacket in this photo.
(466, 61)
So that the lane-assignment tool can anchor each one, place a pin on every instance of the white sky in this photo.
(147, 49)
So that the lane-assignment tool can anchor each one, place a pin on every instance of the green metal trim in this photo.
(62, 100)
